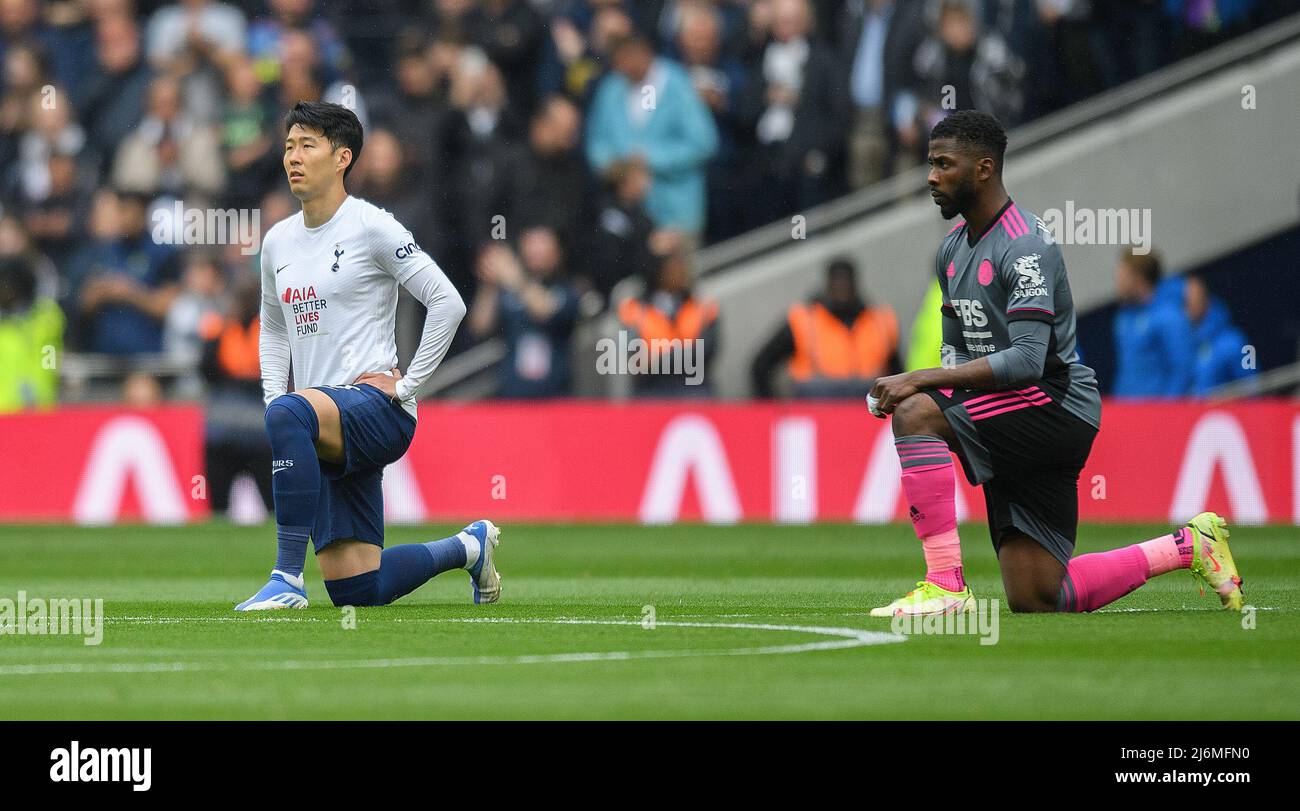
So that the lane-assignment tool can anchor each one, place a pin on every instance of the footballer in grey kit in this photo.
(1003, 286)
(1016, 406)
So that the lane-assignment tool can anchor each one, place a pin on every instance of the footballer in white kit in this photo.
(330, 275)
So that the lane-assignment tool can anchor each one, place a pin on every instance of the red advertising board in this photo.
(659, 462)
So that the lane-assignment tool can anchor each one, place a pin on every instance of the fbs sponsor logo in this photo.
(73, 764)
(970, 311)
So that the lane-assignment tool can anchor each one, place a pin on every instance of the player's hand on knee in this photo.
(892, 390)
(384, 381)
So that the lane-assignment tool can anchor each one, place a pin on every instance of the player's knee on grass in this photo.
(918, 415)
(1030, 600)
(1031, 576)
(359, 590)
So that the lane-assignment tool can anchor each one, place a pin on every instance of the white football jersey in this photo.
(332, 291)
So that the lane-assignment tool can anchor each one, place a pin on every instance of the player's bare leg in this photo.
(1031, 575)
(920, 415)
(348, 558)
(923, 437)
(1100, 578)
(329, 439)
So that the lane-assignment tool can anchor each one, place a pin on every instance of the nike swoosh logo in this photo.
(282, 267)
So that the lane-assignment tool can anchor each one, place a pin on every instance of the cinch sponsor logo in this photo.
(91, 765)
(407, 250)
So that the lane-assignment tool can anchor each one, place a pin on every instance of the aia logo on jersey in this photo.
(292, 295)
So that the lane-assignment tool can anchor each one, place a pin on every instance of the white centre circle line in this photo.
(843, 638)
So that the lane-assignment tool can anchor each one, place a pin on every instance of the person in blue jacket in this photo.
(1153, 349)
(647, 106)
(1221, 350)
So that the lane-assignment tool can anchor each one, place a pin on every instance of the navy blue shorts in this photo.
(376, 433)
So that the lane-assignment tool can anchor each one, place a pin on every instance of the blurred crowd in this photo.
(530, 145)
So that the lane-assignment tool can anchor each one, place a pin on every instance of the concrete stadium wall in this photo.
(1214, 175)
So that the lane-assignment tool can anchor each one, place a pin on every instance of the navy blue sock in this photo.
(403, 569)
(362, 589)
(292, 427)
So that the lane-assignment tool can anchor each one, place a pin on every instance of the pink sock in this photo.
(1168, 552)
(928, 484)
(1092, 581)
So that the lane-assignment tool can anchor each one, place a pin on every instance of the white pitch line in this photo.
(845, 638)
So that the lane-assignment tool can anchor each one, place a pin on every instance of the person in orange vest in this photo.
(669, 334)
(234, 432)
(837, 344)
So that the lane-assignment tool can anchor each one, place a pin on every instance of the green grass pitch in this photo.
(567, 640)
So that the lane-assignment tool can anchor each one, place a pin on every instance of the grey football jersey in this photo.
(1015, 271)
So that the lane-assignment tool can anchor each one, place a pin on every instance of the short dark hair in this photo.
(975, 130)
(1145, 265)
(633, 40)
(842, 267)
(17, 279)
(337, 123)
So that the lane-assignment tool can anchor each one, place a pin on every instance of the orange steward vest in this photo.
(824, 347)
(236, 345)
(692, 319)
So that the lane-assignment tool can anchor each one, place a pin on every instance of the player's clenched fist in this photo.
(892, 390)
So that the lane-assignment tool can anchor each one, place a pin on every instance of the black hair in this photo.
(842, 267)
(977, 131)
(337, 123)
(17, 281)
